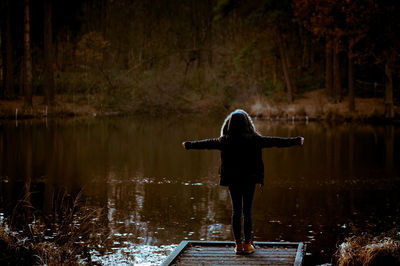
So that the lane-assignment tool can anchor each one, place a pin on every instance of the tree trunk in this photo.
(275, 67)
(336, 72)
(3, 47)
(21, 77)
(389, 109)
(352, 106)
(27, 57)
(328, 68)
(48, 54)
(285, 69)
(9, 55)
(7, 49)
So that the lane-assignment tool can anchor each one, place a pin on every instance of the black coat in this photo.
(241, 156)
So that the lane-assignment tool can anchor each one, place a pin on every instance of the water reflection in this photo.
(149, 191)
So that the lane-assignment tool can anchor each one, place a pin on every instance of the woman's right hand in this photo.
(184, 144)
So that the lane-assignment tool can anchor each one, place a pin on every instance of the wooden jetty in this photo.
(221, 253)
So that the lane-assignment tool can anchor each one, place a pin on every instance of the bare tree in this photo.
(389, 107)
(8, 63)
(284, 61)
(49, 90)
(352, 106)
(328, 67)
(27, 57)
(337, 85)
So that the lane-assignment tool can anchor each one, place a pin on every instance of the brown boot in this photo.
(248, 248)
(239, 248)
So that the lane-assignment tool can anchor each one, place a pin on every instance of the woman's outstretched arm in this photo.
(209, 144)
(267, 142)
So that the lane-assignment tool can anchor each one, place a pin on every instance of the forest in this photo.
(196, 56)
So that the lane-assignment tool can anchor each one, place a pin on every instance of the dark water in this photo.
(152, 193)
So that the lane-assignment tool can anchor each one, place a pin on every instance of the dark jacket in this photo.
(241, 156)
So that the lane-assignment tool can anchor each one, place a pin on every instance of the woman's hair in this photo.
(238, 123)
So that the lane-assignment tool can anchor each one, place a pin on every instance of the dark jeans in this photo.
(242, 202)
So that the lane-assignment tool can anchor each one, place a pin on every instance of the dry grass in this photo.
(315, 105)
(369, 251)
(65, 241)
(66, 105)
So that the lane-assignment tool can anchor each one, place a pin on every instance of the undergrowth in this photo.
(65, 237)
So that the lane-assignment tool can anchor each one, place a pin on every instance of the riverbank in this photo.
(315, 105)
(312, 106)
(64, 107)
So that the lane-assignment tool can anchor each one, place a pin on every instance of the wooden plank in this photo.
(186, 263)
(298, 261)
(230, 250)
(198, 262)
(232, 243)
(231, 247)
(175, 253)
(231, 254)
(229, 262)
(232, 262)
(258, 258)
(238, 258)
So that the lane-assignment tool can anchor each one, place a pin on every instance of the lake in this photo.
(151, 194)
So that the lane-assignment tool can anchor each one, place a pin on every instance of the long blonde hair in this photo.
(238, 123)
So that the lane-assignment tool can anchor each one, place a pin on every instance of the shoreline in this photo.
(309, 107)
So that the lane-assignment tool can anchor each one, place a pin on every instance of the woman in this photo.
(241, 168)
